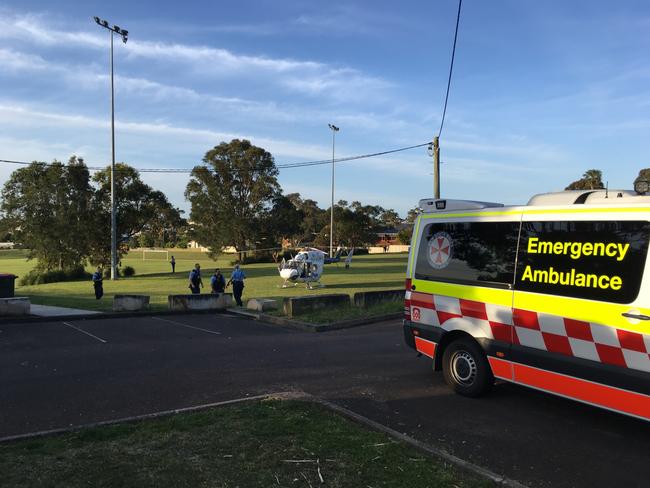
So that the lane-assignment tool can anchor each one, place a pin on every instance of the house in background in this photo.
(387, 240)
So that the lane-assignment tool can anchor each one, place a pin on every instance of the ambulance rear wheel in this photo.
(466, 369)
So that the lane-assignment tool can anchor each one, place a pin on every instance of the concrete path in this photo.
(50, 311)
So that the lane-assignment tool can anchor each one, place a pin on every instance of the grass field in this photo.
(154, 278)
(272, 443)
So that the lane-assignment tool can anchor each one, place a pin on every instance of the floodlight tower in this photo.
(125, 35)
(334, 131)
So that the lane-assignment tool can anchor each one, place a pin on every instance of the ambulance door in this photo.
(581, 316)
(462, 271)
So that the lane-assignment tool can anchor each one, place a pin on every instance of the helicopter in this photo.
(308, 266)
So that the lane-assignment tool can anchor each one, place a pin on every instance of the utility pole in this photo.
(334, 131)
(125, 35)
(436, 167)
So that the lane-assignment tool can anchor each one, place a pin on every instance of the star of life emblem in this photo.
(440, 249)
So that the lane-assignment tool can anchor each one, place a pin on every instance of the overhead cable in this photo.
(278, 166)
(451, 69)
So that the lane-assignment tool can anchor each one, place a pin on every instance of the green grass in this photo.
(245, 445)
(154, 278)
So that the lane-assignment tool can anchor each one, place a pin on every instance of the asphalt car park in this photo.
(63, 373)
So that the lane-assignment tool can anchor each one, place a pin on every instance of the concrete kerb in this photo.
(459, 463)
(285, 395)
(466, 466)
(263, 318)
(297, 324)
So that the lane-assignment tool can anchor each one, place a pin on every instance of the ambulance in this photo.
(554, 295)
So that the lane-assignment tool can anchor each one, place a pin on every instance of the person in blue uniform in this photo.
(217, 282)
(98, 283)
(195, 279)
(237, 279)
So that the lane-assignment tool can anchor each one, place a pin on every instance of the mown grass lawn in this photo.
(263, 444)
(154, 278)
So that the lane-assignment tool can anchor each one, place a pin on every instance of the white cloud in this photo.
(33, 28)
(303, 76)
(16, 61)
(16, 116)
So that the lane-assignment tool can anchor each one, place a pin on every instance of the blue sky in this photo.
(542, 91)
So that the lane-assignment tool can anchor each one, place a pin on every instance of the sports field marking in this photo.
(84, 332)
(188, 326)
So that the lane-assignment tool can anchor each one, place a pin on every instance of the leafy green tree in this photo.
(284, 221)
(230, 195)
(412, 215)
(644, 174)
(592, 179)
(165, 230)
(139, 208)
(354, 225)
(313, 220)
(48, 208)
(404, 236)
(390, 218)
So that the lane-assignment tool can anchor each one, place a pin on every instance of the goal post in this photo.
(150, 254)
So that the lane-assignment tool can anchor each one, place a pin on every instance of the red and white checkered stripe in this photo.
(552, 333)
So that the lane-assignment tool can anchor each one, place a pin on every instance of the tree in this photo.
(592, 179)
(139, 208)
(412, 215)
(404, 236)
(230, 195)
(354, 225)
(48, 208)
(390, 219)
(284, 221)
(313, 220)
(165, 230)
(644, 175)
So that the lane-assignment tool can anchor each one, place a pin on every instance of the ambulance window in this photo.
(596, 260)
(476, 253)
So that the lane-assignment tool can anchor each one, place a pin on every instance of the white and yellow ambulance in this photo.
(554, 295)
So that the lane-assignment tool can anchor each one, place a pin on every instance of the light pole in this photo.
(334, 131)
(125, 35)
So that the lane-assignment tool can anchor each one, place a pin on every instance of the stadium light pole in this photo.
(125, 35)
(334, 131)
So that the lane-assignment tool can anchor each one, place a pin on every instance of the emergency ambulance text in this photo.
(576, 250)
(572, 278)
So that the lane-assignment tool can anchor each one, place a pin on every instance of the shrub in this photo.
(128, 271)
(39, 277)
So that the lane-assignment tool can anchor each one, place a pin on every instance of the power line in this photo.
(451, 68)
(278, 166)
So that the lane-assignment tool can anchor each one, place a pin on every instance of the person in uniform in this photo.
(98, 283)
(237, 279)
(195, 279)
(217, 282)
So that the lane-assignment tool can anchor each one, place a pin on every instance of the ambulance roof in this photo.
(577, 197)
(569, 197)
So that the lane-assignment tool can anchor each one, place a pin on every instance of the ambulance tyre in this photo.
(466, 369)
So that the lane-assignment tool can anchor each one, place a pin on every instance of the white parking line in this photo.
(188, 326)
(84, 332)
